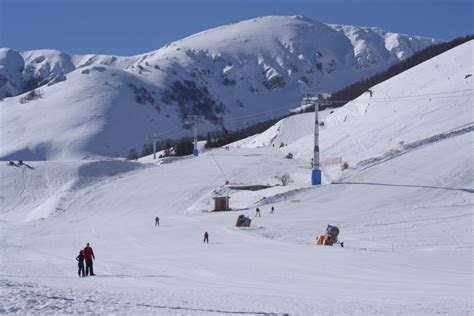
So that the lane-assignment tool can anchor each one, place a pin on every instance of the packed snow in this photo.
(405, 211)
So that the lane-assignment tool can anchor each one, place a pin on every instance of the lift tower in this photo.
(308, 100)
(155, 138)
(195, 120)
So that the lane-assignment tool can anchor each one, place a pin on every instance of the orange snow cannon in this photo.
(330, 238)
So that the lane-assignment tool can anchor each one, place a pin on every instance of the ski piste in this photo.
(403, 206)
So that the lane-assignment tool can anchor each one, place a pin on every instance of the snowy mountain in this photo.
(430, 100)
(404, 207)
(235, 75)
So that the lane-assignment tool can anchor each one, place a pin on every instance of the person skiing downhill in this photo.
(206, 237)
(271, 212)
(157, 221)
(257, 213)
(80, 263)
(89, 255)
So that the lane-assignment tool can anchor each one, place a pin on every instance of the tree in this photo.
(32, 95)
(184, 148)
(132, 154)
(147, 149)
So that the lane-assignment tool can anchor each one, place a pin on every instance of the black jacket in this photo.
(80, 260)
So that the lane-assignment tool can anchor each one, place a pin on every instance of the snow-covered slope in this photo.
(31, 192)
(405, 212)
(423, 103)
(235, 74)
(73, 122)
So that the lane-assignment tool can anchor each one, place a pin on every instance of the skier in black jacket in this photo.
(257, 213)
(80, 263)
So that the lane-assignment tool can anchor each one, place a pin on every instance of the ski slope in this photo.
(428, 100)
(275, 266)
(405, 212)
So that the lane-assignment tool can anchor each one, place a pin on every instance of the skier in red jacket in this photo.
(89, 255)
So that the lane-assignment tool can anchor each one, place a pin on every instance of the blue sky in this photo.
(137, 26)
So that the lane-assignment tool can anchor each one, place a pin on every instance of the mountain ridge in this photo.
(69, 62)
(233, 75)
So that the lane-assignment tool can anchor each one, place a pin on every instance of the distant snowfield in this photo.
(236, 75)
(405, 211)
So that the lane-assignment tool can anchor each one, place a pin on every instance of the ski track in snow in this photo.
(44, 300)
(404, 207)
(56, 294)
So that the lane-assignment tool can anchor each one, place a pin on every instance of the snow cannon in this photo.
(330, 238)
(243, 221)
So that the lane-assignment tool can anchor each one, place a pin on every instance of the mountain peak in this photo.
(225, 73)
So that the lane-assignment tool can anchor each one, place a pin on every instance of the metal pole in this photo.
(316, 173)
(154, 147)
(195, 120)
(195, 151)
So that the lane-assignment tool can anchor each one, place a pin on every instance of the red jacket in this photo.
(88, 253)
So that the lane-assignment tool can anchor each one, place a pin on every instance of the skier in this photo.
(80, 263)
(271, 212)
(157, 221)
(206, 237)
(89, 255)
(257, 213)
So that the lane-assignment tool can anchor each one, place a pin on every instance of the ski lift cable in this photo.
(407, 98)
(218, 166)
(425, 94)
(170, 130)
(436, 95)
(380, 100)
(168, 133)
(388, 99)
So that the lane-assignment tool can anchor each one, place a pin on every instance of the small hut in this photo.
(221, 203)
